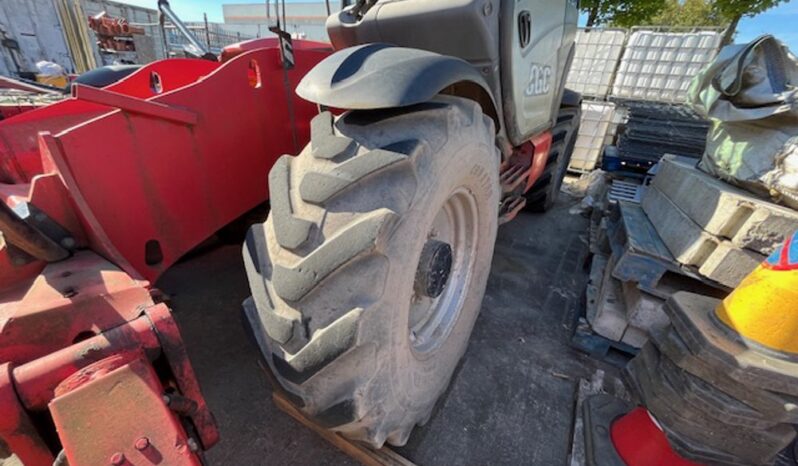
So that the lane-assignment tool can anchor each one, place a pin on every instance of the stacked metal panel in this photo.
(654, 129)
(596, 57)
(658, 66)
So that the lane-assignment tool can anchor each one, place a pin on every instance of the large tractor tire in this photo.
(369, 273)
(544, 192)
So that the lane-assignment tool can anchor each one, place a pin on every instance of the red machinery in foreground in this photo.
(101, 194)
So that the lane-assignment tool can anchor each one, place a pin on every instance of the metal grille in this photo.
(654, 129)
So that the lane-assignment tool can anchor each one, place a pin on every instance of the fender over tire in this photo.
(383, 76)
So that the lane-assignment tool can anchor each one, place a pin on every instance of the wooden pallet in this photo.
(360, 452)
(640, 256)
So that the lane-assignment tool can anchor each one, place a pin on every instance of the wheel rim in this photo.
(431, 319)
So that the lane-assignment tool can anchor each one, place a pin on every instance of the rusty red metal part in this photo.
(68, 300)
(62, 382)
(128, 387)
(134, 175)
(114, 33)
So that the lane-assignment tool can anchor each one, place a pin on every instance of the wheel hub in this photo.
(444, 272)
(434, 269)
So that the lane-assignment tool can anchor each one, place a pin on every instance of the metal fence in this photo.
(214, 35)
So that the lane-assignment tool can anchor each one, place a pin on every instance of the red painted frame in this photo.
(165, 157)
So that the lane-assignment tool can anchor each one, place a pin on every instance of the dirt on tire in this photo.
(332, 270)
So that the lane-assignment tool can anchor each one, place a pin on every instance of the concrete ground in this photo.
(511, 401)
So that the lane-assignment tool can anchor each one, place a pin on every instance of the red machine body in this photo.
(132, 176)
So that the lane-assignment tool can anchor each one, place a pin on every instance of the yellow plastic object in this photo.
(764, 307)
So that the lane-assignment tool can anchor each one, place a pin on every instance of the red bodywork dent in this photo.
(640, 442)
(138, 174)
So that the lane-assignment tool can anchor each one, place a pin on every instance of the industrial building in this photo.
(303, 20)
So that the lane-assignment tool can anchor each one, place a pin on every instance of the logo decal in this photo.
(539, 80)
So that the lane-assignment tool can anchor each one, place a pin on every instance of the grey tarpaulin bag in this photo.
(749, 94)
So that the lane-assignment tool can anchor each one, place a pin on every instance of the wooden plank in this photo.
(360, 452)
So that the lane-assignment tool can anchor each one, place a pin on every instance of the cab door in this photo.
(532, 68)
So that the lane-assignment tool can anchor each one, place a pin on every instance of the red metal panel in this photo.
(234, 50)
(180, 183)
(9, 110)
(183, 180)
(81, 296)
(12, 274)
(19, 155)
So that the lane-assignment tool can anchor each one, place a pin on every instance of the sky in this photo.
(780, 21)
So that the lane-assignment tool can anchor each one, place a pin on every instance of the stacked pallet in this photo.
(692, 233)
(632, 274)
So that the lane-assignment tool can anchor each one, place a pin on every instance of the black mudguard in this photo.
(376, 76)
